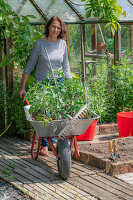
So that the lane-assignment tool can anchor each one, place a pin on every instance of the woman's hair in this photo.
(63, 32)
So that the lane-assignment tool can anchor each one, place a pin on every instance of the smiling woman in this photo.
(55, 32)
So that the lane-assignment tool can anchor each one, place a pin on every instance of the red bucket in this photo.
(89, 133)
(125, 123)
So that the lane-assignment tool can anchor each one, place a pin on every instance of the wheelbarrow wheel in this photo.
(64, 158)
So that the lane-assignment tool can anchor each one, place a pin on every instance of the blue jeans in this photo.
(44, 141)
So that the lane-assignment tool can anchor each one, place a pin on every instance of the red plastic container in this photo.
(89, 133)
(125, 123)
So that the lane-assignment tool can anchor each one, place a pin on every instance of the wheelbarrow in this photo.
(65, 131)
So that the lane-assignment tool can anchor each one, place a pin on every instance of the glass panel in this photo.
(24, 7)
(80, 7)
(75, 48)
(62, 9)
(126, 5)
(125, 33)
(15, 4)
(29, 9)
(58, 8)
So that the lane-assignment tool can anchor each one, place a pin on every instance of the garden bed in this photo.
(97, 153)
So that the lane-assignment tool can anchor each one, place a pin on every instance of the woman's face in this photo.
(54, 28)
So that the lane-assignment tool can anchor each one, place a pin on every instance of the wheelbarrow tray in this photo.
(64, 127)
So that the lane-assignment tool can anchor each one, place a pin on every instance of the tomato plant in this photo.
(51, 102)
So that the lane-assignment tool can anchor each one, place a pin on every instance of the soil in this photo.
(124, 149)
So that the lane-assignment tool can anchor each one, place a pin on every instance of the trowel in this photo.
(114, 154)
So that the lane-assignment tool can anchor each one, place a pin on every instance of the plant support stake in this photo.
(51, 67)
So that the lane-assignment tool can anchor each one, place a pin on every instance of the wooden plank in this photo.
(119, 182)
(42, 172)
(90, 188)
(99, 184)
(87, 197)
(26, 163)
(114, 188)
(128, 177)
(23, 187)
(74, 171)
(26, 174)
(39, 175)
(18, 152)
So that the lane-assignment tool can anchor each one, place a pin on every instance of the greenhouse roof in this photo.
(71, 11)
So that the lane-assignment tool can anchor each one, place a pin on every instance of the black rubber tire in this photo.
(64, 158)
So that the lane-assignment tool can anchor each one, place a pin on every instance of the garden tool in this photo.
(114, 155)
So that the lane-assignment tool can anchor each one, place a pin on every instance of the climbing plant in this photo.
(19, 32)
(105, 10)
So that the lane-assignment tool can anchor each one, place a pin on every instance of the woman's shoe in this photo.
(44, 151)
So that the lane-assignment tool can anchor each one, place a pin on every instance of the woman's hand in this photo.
(22, 92)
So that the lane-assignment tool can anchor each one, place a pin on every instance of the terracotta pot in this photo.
(100, 46)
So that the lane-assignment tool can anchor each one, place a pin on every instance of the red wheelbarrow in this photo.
(65, 131)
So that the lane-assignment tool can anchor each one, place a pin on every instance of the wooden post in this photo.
(83, 52)
(117, 46)
(131, 37)
(94, 45)
(1, 69)
(8, 69)
(93, 36)
(2, 72)
(67, 40)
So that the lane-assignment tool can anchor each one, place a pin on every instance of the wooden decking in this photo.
(40, 180)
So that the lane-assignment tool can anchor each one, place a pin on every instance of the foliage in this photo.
(15, 112)
(18, 31)
(108, 102)
(2, 105)
(98, 96)
(122, 83)
(107, 11)
(63, 101)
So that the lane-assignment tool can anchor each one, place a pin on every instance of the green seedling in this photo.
(6, 171)
(24, 190)
(11, 177)
(12, 165)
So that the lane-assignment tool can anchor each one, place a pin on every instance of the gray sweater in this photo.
(57, 52)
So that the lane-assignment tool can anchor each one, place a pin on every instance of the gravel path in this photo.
(8, 192)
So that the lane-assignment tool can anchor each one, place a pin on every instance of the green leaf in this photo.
(74, 75)
(124, 13)
(31, 16)
(25, 18)
(88, 13)
(4, 61)
(11, 61)
(45, 123)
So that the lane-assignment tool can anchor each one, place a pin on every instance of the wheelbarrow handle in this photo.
(26, 100)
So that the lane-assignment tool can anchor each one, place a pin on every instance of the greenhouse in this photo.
(89, 43)
(73, 12)
(66, 96)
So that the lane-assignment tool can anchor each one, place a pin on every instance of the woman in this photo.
(55, 32)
